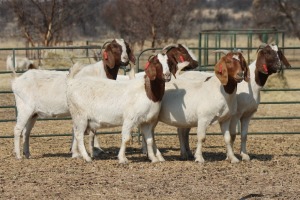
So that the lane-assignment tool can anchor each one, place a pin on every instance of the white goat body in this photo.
(198, 104)
(107, 103)
(43, 93)
(269, 61)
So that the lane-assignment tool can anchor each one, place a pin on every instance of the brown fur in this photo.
(113, 61)
(154, 81)
(267, 58)
(228, 70)
(174, 53)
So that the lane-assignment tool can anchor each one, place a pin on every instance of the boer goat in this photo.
(197, 103)
(269, 60)
(21, 64)
(178, 55)
(42, 93)
(99, 103)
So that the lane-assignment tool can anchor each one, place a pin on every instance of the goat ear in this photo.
(150, 70)
(245, 68)
(132, 57)
(283, 59)
(261, 64)
(221, 72)
(108, 58)
(172, 65)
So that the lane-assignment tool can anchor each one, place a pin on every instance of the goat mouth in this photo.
(124, 63)
(239, 79)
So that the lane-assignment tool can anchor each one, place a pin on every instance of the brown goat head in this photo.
(233, 66)
(270, 59)
(178, 54)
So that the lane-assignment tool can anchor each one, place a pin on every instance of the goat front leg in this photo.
(126, 135)
(146, 131)
(225, 130)
(201, 133)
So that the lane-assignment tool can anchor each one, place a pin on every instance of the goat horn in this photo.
(168, 47)
(150, 57)
(263, 45)
(104, 45)
(221, 51)
(237, 51)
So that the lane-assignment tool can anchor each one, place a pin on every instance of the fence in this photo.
(143, 56)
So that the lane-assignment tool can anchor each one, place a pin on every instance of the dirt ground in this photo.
(51, 173)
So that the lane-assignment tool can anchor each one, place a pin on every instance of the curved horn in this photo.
(104, 46)
(261, 46)
(168, 47)
(150, 57)
(237, 51)
(224, 51)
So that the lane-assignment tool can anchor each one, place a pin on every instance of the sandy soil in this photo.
(51, 173)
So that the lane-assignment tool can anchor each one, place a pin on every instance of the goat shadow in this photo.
(139, 156)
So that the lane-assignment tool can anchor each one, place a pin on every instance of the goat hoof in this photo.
(161, 159)
(199, 160)
(123, 161)
(76, 155)
(234, 160)
(245, 157)
(88, 160)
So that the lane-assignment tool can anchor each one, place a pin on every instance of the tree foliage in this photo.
(46, 21)
(154, 20)
(279, 14)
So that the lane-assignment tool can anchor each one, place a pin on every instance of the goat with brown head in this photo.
(117, 53)
(269, 60)
(178, 53)
(157, 73)
(231, 69)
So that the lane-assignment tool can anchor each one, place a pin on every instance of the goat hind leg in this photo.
(26, 134)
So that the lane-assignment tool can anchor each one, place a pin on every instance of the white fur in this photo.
(21, 63)
(195, 103)
(108, 103)
(42, 93)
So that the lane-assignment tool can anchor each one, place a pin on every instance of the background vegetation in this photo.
(50, 22)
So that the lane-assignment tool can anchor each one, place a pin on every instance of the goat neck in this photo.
(157, 73)
(155, 89)
(231, 85)
(111, 73)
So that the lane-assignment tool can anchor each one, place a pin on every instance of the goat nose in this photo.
(125, 58)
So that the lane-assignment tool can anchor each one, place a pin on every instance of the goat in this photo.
(269, 60)
(42, 93)
(107, 103)
(190, 103)
(178, 55)
(21, 64)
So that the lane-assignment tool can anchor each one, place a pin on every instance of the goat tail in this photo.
(14, 73)
(75, 69)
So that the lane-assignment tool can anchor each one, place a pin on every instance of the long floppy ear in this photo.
(172, 65)
(261, 64)
(108, 58)
(130, 53)
(245, 68)
(150, 70)
(221, 71)
(283, 59)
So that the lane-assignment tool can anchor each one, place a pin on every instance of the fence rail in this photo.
(143, 55)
